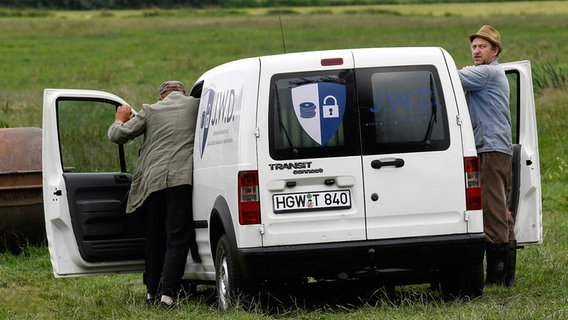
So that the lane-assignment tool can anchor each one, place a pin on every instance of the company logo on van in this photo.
(217, 107)
(319, 108)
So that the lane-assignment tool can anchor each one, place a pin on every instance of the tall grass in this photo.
(131, 52)
(550, 76)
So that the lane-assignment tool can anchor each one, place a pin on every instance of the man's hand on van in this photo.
(123, 114)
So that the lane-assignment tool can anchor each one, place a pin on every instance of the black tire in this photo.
(462, 281)
(227, 277)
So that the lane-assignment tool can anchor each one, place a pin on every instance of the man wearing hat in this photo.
(162, 184)
(487, 95)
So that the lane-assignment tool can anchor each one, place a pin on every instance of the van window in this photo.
(85, 147)
(514, 103)
(402, 109)
(313, 115)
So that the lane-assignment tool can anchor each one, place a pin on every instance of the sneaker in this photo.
(167, 302)
(151, 299)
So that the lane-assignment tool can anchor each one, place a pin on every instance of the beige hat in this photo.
(171, 85)
(490, 34)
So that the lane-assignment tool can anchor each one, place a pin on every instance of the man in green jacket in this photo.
(162, 184)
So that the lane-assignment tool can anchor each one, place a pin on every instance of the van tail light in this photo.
(249, 200)
(332, 62)
(473, 187)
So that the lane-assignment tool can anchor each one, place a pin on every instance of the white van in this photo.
(341, 164)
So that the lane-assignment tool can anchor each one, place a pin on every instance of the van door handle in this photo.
(377, 164)
(121, 179)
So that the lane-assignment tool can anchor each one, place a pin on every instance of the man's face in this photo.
(483, 52)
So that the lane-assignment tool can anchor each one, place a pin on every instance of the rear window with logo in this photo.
(402, 109)
(313, 115)
(354, 112)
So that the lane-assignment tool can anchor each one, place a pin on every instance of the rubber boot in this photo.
(511, 265)
(497, 258)
(489, 265)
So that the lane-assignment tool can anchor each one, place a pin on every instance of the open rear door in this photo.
(526, 203)
(86, 181)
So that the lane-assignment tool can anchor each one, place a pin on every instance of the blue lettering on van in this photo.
(217, 107)
(404, 100)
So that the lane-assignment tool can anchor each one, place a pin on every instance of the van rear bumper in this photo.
(359, 259)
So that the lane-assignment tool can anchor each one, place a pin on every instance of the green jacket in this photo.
(166, 157)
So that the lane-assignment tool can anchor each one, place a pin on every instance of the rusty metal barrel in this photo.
(21, 199)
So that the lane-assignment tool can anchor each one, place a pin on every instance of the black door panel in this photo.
(103, 231)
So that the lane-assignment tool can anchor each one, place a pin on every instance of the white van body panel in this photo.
(225, 143)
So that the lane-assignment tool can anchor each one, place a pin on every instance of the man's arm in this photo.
(126, 126)
(474, 78)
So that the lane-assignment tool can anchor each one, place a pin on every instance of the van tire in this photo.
(462, 281)
(226, 274)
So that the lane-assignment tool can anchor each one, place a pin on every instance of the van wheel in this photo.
(226, 274)
(462, 281)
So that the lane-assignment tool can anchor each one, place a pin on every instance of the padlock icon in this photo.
(330, 110)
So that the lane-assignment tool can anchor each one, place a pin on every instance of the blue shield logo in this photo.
(205, 106)
(319, 108)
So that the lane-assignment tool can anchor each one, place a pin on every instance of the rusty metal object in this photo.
(21, 199)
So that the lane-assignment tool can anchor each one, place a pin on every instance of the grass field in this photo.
(130, 52)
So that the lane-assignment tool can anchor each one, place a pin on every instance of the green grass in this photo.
(131, 52)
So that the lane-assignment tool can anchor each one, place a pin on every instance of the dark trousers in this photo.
(170, 235)
(498, 224)
(495, 175)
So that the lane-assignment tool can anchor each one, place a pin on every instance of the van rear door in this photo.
(309, 163)
(526, 205)
(85, 186)
(413, 158)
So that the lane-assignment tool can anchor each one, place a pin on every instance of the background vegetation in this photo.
(130, 53)
(144, 4)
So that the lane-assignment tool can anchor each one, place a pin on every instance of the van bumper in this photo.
(388, 258)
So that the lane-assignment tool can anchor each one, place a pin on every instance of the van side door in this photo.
(86, 181)
(526, 205)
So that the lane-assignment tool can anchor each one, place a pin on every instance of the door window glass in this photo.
(402, 110)
(85, 147)
(514, 103)
(313, 115)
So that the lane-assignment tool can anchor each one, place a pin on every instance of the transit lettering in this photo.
(290, 165)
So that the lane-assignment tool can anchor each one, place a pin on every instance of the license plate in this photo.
(308, 201)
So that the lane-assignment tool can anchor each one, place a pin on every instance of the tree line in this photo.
(104, 4)
(169, 4)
